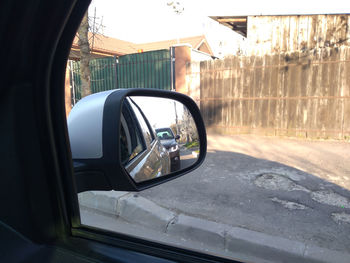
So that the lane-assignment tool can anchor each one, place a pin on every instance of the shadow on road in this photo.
(261, 195)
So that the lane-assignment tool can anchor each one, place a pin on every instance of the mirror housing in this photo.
(94, 132)
(177, 137)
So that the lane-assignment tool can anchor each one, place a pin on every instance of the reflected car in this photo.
(169, 141)
(142, 153)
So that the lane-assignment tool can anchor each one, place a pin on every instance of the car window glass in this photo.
(130, 136)
(125, 145)
(164, 134)
(273, 90)
(145, 129)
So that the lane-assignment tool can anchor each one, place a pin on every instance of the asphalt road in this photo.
(289, 188)
(186, 157)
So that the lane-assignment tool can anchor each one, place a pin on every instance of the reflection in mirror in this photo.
(158, 136)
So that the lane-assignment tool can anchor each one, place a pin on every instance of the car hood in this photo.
(168, 143)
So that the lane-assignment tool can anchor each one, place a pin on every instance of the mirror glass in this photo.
(158, 136)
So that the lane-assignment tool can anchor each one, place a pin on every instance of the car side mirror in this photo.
(115, 143)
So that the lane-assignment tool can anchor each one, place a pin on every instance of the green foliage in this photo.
(192, 144)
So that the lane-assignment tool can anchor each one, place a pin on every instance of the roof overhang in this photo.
(94, 53)
(236, 23)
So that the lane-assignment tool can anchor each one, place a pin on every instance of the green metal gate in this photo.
(151, 69)
(145, 70)
(102, 78)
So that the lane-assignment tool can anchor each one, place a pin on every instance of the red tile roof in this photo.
(196, 42)
(103, 45)
(108, 45)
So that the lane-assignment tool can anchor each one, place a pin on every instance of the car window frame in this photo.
(35, 98)
(86, 240)
(45, 87)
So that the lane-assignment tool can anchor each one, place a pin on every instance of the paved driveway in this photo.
(325, 159)
(284, 187)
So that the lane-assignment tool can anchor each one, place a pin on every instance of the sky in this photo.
(153, 20)
(148, 21)
(160, 112)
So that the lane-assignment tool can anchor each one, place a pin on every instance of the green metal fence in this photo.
(145, 70)
(102, 78)
(142, 70)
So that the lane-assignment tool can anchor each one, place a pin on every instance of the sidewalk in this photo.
(131, 210)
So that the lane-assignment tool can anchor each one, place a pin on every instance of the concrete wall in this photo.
(182, 57)
(193, 80)
(276, 34)
(192, 74)
(187, 60)
(301, 94)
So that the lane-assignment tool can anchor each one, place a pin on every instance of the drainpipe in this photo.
(172, 68)
(116, 71)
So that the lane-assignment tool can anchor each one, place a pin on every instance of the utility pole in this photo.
(93, 30)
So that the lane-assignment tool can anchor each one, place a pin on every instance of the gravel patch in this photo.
(341, 217)
(330, 198)
(289, 205)
(272, 181)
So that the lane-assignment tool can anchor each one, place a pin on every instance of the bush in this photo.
(192, 144)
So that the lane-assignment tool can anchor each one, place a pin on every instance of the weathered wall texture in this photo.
(193, 80)
(301, 94)
(182, 56)
(275, 34)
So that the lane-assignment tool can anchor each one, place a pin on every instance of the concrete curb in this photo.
(138, 210)
(141, 211)
(199, 230)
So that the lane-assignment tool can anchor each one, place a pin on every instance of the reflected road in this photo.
(186, 158)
